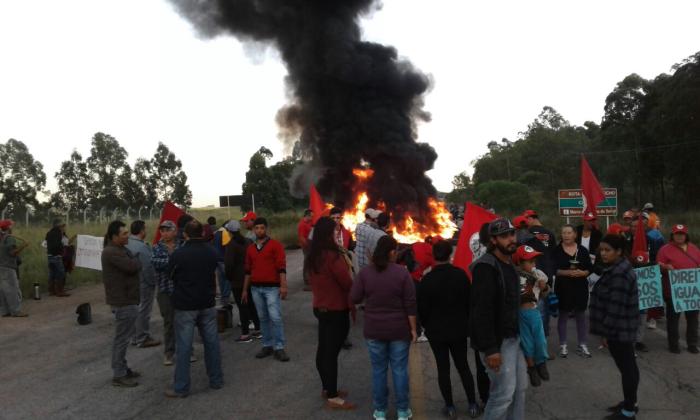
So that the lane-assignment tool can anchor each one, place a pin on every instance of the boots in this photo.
(52, 287)
(60, 284)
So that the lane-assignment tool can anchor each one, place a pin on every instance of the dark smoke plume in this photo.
(352, 102)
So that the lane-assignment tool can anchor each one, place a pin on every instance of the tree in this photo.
(106, 164)
(270, 184)
(21, 177)
(73, 185)
(167, 180)
(462, 189)
(504, 196)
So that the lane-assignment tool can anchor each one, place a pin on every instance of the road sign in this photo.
(571, 203)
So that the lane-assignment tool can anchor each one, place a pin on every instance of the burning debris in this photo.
(354, 104)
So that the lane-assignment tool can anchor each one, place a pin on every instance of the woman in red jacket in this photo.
(330, 276)
(679, 254)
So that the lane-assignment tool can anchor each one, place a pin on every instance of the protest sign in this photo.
(685, 289)
(649, 285)
(88, 253)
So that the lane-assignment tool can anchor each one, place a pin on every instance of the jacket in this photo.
(160, 261)
(144, 252)
(443, 303)
(193, 267)
(120, 274)
(614, 304)
(332, 282)
(596, 236)
(54, 242)
(494, 303)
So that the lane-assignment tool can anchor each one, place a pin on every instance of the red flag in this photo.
(468, 244)
(170, 212)
(592, 191)
(316, 204)
(640, 251)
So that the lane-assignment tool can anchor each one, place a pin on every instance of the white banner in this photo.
(88, 253)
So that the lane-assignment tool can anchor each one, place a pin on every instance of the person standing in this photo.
(160, 260)
(193, 270)
(573, 264)
(266, 278)
(680, 253)
(443, 305)
(390, 324)
(234, 264)
(363, 232)
(120, 274)
(303, 230)
(147, 278)
(342, 236)
(55, 250)
(494, 305)
(614, 314)
(588, 235)
(331, 280)
(10, 293)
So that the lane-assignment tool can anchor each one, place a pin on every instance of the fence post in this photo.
(67, 217)
(140, 208)
(85, 216)
(128, 209)
(115, 213)
(3, 213)
(27, 218)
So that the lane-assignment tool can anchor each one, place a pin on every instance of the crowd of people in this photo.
(501, 309)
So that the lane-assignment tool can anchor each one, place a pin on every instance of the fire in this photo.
(407, 230)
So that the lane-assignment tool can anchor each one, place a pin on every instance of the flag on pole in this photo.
(316, 204)
(640, 249)
(170, 212)
(591, 190)
(468, 246)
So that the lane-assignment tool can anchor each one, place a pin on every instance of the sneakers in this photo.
(475, 410)
(124, 382)
(675, 349)
(281, 355)
(641, 347)
(542, 371)
(405, 414)
(693, 349)
(170, 393)
(265, 352)
(244, 339)
(582, 351)
(379, 415)
(132, 374)
(450, 412)
(618, 416)
(651, 324)
(563, 351)
(535, 379)
(256, 334)
(149, 342)
(168, 360)
(19, 314)
(619, 406)
(339, 404)
(422, 338)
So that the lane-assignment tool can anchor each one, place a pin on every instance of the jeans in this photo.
(581, 327)
(333, 327)
(143, 321)
(124, 320)
(508, 385)
(246, 311)
(691, 328)
(268, 304)
(532, 339)
(459, 351)
(383, 354)
(57, 272)
(167, 311)
(205, 320)
(626, 362)
(224, 284)
(10, 295)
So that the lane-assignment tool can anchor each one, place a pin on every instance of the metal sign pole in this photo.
(228, 206)
(252, 197)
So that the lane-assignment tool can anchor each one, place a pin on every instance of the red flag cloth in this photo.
(640, 250)
(316, 204)
(468, 244)
(170, 212)
(592, 191)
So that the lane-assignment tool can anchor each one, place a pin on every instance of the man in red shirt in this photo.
(266, 276)
(303, 231)
(423, 256)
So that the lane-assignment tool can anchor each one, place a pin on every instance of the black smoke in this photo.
(352, 102)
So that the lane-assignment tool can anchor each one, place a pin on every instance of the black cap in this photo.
(500, 227)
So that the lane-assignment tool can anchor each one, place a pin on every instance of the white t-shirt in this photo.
(586, 242)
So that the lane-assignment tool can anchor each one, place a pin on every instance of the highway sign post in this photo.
(571, 204)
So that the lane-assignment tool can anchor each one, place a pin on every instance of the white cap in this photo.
(372, 213)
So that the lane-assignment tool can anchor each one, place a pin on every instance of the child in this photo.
(533, 283)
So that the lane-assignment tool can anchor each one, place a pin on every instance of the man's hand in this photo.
(494, 361)
(244, 297)
(283, 292)
(414, 336)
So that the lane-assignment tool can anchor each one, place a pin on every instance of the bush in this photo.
(504, 196)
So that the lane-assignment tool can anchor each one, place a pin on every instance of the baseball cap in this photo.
(629, 214)
(648, 206)
(589, 217)
(249, 217)
(372, 213)
(5, 224)
(524, 253)
(233, 226)
(518, 221)
(501, 226)
(679, 229)
(640, 257)
(168, 224)
(530, 213)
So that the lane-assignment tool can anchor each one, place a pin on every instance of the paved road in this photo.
(53, 368)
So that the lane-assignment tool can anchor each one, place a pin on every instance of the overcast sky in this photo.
(134, 69)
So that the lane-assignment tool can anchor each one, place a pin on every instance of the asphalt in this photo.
(51, 367)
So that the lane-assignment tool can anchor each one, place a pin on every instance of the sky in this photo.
(136, 70)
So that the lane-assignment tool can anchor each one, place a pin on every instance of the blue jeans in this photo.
(383, 354)
(532, 339)
(205, 319)
(508, 385)
(57, 271)
(224, 284)
(268, 304)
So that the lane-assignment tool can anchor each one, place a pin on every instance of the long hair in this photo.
(112, 230)
(322, 241)
(381, 256)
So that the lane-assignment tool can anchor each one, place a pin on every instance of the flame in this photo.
(407, 230)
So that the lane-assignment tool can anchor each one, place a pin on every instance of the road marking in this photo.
(416, 382)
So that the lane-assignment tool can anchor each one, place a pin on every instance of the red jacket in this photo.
(423, 254)
(332, 283)
(303, 231)
(264, 265)
(671, 254)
